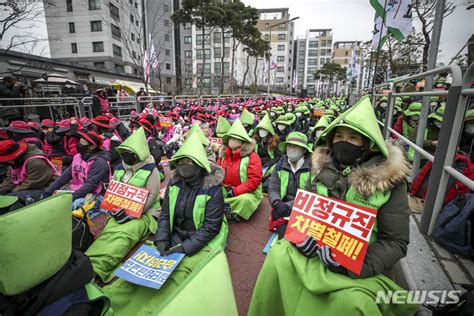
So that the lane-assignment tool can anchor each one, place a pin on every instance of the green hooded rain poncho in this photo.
(116, 240)
(222, 126)
(292, 284)
(266, 124)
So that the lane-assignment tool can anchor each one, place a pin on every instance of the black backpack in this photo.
(82, 237)
(453, 229)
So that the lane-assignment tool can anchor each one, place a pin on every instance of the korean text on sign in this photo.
(216, 140)
(124, 196)
(148, 268)
(344, 227)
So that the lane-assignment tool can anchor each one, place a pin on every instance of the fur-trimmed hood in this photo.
(245, 150)
(377, 174)
(216, 177)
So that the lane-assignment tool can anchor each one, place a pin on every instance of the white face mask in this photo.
(272, 114)
(469, 128)
(281, 127)
(383, 105)
(262, 133)
(437, 123)
(298, 114)
(294, 154)
(234, 143)
(318, 133)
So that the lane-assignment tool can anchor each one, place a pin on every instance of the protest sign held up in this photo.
(120, 196)
(344, 227)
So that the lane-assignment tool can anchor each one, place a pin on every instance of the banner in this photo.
(57, 163)
(397, 15)
(147, 267)
(216, 140)
(344, 227)
(318, 112)
(124, 196)
(166, 122)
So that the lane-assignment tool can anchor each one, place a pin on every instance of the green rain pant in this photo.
(245, 205)
(130, 299)
(291, 284)
(115, 241)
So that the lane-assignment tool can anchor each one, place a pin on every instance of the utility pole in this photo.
(432, 58)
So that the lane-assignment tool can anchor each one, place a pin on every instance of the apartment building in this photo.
(342, 52)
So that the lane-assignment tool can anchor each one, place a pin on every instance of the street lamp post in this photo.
(270, 49)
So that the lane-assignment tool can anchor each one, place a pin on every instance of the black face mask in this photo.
(82, 149)
(188, 171)
(129, 158)
(347, 153)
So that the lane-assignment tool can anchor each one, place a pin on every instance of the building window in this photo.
(217, 68)
(117, 50)
(136, 22)
(322, 61)
(217, 52)
(323, 43)
(99, 65)
(302, 44)
(167, 37)
(96, 26)
(227, 36)
(74, 48)
(312, 62)
(312, 52)
(281, 37)
(188, 40)
(199, 38)
(267, 26)
(119, 68)
(329, 42)
(69, 5)
(94, 4)
(226, 67)
(132, 19)
(217, 37)
(167, 52)
(313, 44)
(135, 71)
(132, 36)
(116, 32)
(130, 1)
(282, 26)
(136, 5)
(134, 54)
(187, 26)
(267, 37)
(168, 79)
(114, 13)
(207, 68)
(346, 53)
(166, 8)
(280, 69)
(226, 51)
(72, 28)
(301, 53)
(281, 58)
(188, 54)
(281, 47)
(188, 68)
(300, 70)
(280, 79)
(199, 54)
(167, 23)
(168, 66)
(97, 47)
(301, 61)
(188, 82)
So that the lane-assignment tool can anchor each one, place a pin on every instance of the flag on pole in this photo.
(379, 32)
(264, 71)
(295, 79)
(397, 15)
(146, 66)
(274, 65)
(353, 68)
(153, 57)
(389, 73)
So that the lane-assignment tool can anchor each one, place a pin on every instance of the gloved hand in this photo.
(281, 210)
(230, 192)
(308, 247)
(176, 249)
(325, 255)
(161, 246)
(45, 195)
(121, 217)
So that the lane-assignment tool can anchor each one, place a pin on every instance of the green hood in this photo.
(290, 117)
(195, 129)
(266, 124)
(469, 116)
(438, 115)
(192, 149)
(283, 120)
(238, 131)
(136, 143)
(297, 139)
(247, 118)
(413, 109)
(222, 126)
(323, 122)
(361, 118)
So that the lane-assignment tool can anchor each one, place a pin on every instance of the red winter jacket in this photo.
(231, 165)
(398, 127)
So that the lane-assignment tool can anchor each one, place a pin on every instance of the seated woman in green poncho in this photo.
(358, 167)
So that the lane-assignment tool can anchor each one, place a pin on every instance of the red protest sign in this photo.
(124, 196)
(344, 227)
(318, 112)
(57, 163)
(216, 140)
(165, 122)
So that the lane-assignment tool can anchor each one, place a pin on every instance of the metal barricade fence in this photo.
(448, 140)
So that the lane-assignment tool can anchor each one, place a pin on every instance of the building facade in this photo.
(342, 52)
(312, 51)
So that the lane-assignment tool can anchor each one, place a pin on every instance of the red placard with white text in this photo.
(165, 122)
(344, 227)
(124, 196)
(216, 140)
